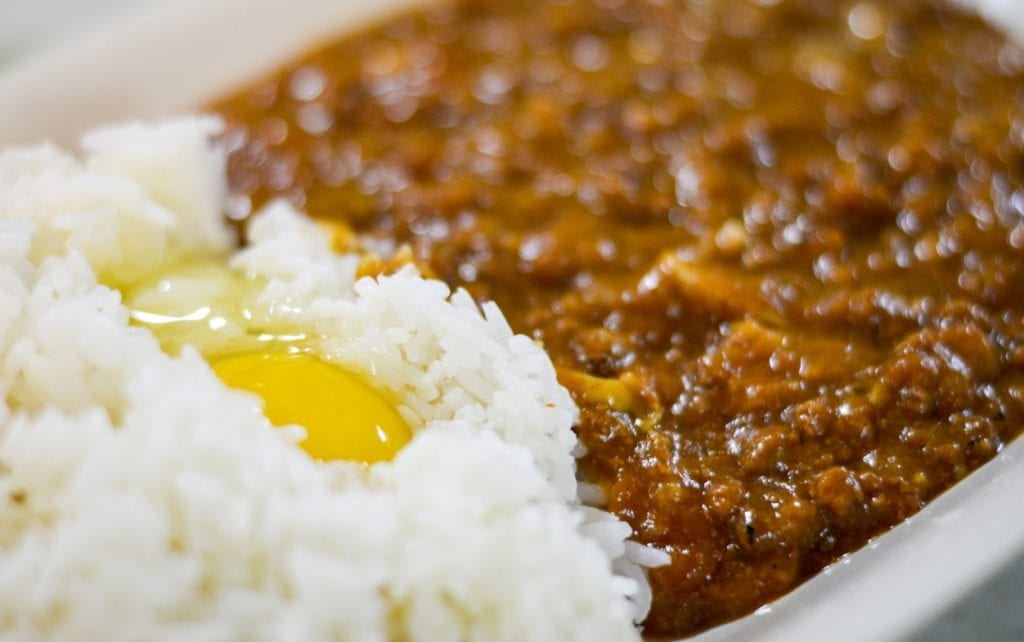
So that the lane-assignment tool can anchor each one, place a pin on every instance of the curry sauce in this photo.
(774, 247)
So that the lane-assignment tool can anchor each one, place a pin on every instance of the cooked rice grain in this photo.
(142, 499)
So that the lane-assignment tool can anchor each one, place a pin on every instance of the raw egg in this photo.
(344, 417)
(205, 304)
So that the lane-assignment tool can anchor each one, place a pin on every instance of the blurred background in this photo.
(26, 25)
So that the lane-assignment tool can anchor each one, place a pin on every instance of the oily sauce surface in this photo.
(773, 246)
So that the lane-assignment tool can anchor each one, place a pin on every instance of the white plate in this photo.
(188, 53)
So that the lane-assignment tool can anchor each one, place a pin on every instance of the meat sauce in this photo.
(774, 247)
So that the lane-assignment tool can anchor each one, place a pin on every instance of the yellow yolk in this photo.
(343, 416)
(203, 303)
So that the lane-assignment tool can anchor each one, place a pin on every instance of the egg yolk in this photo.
(343, 416)
(204, 303)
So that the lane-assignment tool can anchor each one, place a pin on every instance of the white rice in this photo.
(141, 499)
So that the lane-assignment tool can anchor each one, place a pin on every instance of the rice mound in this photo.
(140, 498)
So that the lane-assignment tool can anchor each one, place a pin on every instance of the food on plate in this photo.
(420, 482)
(774, 248)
